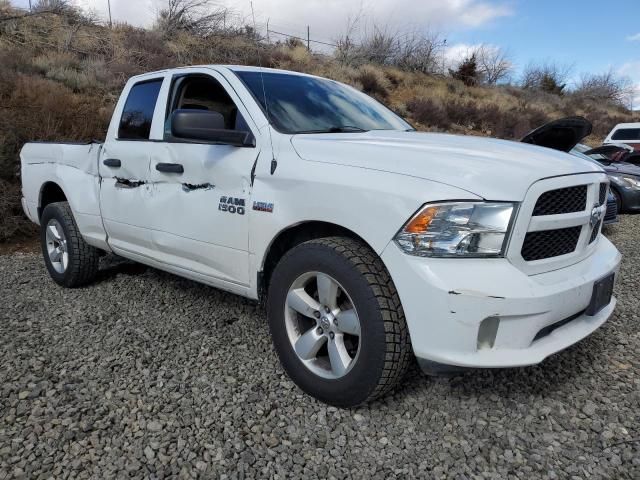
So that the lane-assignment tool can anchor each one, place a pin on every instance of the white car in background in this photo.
(371, 243)
(627, 133)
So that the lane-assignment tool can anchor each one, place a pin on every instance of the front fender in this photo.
(372, 204)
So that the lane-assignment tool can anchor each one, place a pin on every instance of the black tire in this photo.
(618, 199)
(385, 349)
(83, 258)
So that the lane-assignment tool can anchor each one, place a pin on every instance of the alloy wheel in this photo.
(322, 325)
(57, 246)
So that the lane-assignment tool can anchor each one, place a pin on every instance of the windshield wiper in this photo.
(337, 129)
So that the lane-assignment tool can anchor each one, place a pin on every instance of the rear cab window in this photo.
(137, 114)
(626, 134)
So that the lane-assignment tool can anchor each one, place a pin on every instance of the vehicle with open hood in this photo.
(563, 135)
(624, 178)
(615, 152)
(371, 244)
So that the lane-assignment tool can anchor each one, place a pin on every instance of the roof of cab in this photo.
(233, 68)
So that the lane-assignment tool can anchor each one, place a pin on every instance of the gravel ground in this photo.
(148, 375)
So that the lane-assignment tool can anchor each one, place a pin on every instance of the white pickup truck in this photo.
(371, 243)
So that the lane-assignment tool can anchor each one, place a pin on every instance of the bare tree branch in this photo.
(409, 50)
(549, 77)
(198, 17)
(606, 87)
(494, 64)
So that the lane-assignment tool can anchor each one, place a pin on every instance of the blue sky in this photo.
(593, 36)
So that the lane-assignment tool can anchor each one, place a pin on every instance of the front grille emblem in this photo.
(596, 214)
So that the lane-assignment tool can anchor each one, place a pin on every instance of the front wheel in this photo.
(337, 323)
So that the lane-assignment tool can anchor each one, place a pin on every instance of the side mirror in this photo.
(206, 127)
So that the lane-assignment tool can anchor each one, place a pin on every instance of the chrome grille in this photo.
(555, 222)
(550, 243)
(594, 232)
(561, 200)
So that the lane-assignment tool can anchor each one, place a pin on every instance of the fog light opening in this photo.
(487, 333)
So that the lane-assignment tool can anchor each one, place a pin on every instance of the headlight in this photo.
(631, 182)
(457, 229)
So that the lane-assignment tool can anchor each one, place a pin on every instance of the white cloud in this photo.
(634, 38)
(454, 54)
(135, 12)
(138, 12)
(329, 18)
(632, 69)
(326, 18)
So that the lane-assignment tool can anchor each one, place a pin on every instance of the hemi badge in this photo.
(263, 207)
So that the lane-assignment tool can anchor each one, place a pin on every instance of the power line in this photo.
(308, 39)
(297, 31)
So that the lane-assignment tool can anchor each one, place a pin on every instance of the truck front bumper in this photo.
(486, 313)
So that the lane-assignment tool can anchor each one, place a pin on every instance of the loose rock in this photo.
(143, 374)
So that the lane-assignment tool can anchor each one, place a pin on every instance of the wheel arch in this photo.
(50, 192)
(618, 194)
(294, 235)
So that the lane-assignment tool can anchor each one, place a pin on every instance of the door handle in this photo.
(112, 162)
(169, 167)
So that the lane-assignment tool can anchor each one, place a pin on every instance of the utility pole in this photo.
(109, 5)
(267, 30)
(308, 40)
(29, 5)
(444, 55)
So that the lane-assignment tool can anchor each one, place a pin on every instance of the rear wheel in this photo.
(71, 262)
(337, 323)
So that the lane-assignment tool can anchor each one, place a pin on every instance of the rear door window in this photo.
(137, 115)
(626, 134)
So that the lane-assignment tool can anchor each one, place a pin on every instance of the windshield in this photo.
(302, 104)
(581, 147)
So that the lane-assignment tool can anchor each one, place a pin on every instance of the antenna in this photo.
(274, 162)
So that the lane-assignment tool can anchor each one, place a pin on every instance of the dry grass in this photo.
(13, 224)
(60, 77)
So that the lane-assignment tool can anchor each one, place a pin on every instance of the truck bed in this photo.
(83, 156)
(73, 167)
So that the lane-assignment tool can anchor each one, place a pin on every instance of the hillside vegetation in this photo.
(61, 74)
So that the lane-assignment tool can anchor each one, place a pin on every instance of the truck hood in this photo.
(490, 168)
(623, 168)
(562, 134)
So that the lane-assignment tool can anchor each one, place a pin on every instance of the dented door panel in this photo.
(74, 168)
(125, 195)
(201, 216)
